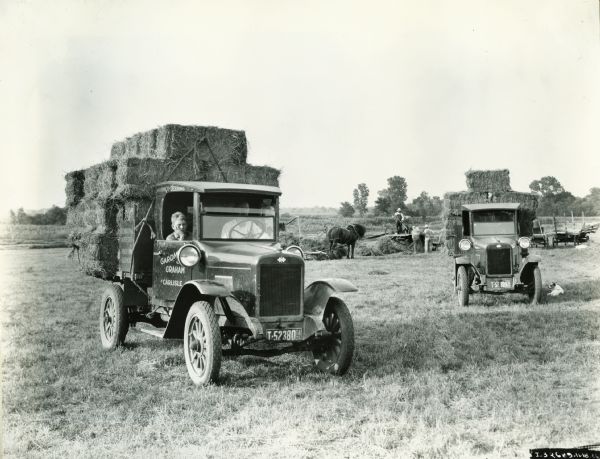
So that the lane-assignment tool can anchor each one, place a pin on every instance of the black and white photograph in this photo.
(300, 229)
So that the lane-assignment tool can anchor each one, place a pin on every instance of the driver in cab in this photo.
(179, 225)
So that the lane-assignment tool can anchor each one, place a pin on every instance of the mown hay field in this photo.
(428, 380)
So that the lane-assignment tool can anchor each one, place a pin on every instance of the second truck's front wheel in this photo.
(462, 286)
(535, 288)
(334, 354)
(202, 344)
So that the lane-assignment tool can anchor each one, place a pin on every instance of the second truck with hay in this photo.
(223, 285)
(488, 230)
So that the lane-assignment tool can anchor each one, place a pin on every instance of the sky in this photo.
(335, 93)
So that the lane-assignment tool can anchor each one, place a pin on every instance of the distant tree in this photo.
(53, 216)
(383, 205)
(394, 196)
(562, 203)
(361, 198)
(425, 206)
(590, 204)
(546, 186)
(346, 209)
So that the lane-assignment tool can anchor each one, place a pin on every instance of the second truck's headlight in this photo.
(524, 242)
(464, 245)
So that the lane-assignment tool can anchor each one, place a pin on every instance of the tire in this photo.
(335, 354)
(202, 344)
(113, 319)
(535, 290)
(462, 286)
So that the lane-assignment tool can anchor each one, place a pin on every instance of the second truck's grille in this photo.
(499, 261)
(280, 290)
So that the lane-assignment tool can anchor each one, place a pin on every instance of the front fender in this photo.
(191, 292)
(316, 298)
(317, 294)
(528, 264)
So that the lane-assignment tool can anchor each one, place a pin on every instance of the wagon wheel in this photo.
(534, 290)
(114, 322)
(462, 286)
(202, 344)
(334, 354)
(254, 231)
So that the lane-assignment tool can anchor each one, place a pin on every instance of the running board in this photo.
(150, 330)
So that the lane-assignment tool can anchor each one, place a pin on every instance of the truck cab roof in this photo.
(492, 206)
(217, 187)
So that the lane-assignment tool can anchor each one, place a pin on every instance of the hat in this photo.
(426, 226)
(398, 209)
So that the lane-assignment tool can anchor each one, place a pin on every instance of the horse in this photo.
(347, 236)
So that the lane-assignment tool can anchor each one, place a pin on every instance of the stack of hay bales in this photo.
(490, 186)
(106, 200)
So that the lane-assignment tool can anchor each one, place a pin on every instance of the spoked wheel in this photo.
(334, 354)
(462, 286)
(534, 290)
(202, 344)
(113, 318)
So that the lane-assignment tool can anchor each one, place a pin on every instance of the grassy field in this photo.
(33, 236)
(428, 380)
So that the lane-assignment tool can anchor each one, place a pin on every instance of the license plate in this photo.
(290, 334)
(501, 283)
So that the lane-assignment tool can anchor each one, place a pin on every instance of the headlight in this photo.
(188, 255)
(464, 245)
(524, 242)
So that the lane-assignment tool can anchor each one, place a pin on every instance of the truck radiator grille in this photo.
(280, 290)
(499, 261)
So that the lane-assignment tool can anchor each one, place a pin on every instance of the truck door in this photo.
(168, 275)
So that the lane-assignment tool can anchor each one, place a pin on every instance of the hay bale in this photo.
(490, 180)
(97, 253)
(74, 188)
(99, 180)
(94, 215)
(173, 141)
(136, 178)
(255, 175)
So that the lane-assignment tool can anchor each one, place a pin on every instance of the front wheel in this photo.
(535, 289)
(462, 286)
(113, 318)
(334, 354)
(202, 344)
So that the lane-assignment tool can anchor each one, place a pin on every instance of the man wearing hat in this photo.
(399, 217)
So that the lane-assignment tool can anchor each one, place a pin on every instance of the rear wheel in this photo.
(202, 344)
(462, 286)
(535, 289)
(113, 318)
(334, 354)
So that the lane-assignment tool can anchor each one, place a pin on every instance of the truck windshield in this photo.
(494, 222)
(229, 216)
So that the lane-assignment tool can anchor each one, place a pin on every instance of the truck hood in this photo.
(484, 241)
(236, 253)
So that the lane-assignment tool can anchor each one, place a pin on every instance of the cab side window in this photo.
(180, 201)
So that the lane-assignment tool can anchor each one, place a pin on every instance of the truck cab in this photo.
(492, 256)
(226, 284)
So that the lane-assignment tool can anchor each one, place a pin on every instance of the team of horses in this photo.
(345, 236)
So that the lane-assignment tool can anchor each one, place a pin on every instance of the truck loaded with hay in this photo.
(187, 233)
(488, 230)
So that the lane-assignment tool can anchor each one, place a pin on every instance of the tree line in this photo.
(53, 216)
(554, 200)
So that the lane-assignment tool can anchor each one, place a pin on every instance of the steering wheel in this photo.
(254, 230)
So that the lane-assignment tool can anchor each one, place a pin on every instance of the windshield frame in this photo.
(476, 231)
(211, 214)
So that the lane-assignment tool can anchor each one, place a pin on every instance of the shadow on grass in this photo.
(451, 342)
